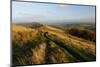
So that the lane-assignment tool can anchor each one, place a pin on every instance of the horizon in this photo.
(51, 13)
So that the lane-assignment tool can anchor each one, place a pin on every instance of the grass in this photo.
(33, 46)
(56, 54)
(25, 42)
(76, 52)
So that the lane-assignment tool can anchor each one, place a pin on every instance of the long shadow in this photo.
(81, 57)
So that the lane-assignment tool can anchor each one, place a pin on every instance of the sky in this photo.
(51, 13)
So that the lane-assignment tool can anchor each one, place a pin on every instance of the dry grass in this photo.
(31, 47)
(22, 35)
(39, 54)
(86, 46)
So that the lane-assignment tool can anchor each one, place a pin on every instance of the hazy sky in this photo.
(51, 13)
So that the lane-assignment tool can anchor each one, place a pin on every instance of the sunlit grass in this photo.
(31, 46)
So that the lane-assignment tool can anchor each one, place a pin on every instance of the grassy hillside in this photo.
(46, 44)
(86, 31)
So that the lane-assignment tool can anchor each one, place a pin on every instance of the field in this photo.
(47, 44)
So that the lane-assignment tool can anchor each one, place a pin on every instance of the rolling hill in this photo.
(47, 44)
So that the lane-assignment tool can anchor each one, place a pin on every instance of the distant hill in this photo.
(88, 26)
(31, 24)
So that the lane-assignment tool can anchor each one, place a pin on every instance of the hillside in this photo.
(46, 44)
(85, 31)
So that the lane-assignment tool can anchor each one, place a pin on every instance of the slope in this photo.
(46, 44)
